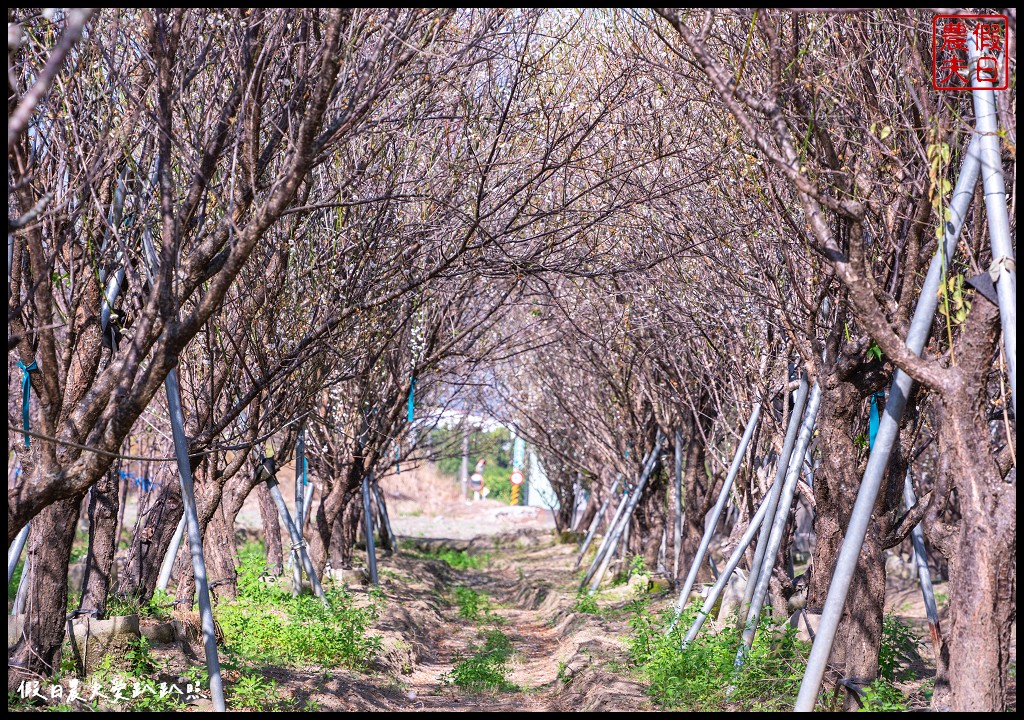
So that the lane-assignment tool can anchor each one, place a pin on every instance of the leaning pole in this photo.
(773, 497)
(888, 433)
(1003, 270)
(195, 538)
(715, 514)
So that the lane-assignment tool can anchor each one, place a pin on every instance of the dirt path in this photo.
(562, 660)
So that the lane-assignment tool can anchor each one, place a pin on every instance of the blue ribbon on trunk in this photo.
(877, 401)
(412, 398)
(26, 392)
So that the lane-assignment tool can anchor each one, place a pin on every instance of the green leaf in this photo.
(875, 351)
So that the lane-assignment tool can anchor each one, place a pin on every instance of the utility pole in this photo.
(464, 468)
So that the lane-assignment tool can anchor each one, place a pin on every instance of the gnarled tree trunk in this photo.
(973, 673)
(103, 512)
(49, 549)
(159, 512)
(271, 530)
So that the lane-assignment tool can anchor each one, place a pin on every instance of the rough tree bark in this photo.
(159, 512)
(271, 530)
(103, 512)
(49, 549)
(973, 672)
(593, 504)
(697, 500)
(855, 652)
(341, 504)
(351, 522)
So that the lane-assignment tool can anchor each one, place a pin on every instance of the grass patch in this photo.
(701, 676)
(458, 559)
(475, 606)
(462, 560)
(158, 607)
(472, 603)
(487, 669)
(585, 603)
(266, 623)
(256, 693)
(899, 647)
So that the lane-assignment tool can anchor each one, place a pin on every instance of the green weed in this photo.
(158, 607)
(636, 567)
(462, 560)
(883, 696)
(472, 603)
(487, 668)
(253, 692)
(585, 603)
(458, 559)
(899, 647)
(701, 677)
(266, 623)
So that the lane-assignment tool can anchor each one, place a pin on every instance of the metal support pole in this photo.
(776, 491)
(764, 574)
(622, 546)
(921, 559)
(268, 468)
(888, 431)
(634, 500)
(371, 555)
(382, 507)
(110, 294)
(300, 479)
(603, 546)
(21, 597)
(464, 467)
(714, 568)
(195, 538)
(679, 504)
(716, 512)
(307, 499)
(298, 544)
(592, 530)
(172, 552)
(14, 554)
(1003, 269)
(730, 566)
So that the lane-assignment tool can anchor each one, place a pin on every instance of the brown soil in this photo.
(563, 661)
(532, 590)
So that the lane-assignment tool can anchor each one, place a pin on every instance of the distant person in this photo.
(476, 480)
